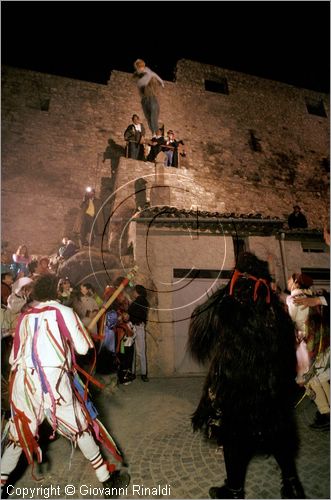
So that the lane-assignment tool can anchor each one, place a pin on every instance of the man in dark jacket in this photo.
(138, 312)
(90, 219)
(134, 136)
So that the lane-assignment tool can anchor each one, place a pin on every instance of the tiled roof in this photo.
(226, 222)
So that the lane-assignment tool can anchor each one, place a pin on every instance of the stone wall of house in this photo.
(60, 135)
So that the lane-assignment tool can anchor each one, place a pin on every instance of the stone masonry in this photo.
(255, 149)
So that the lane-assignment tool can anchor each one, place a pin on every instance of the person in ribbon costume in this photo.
(44, 383)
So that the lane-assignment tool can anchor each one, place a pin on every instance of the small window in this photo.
(211, 274)
(319, 275)
(314, 247)
(220, 86)
(254, 142)
(315, 107)
(44, 104)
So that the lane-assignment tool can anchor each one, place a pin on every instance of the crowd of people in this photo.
(46, 335)
(247, 309)
(124, 322)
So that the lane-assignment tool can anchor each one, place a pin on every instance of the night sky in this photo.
(284, 41)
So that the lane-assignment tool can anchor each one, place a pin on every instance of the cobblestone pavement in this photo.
(151, 422)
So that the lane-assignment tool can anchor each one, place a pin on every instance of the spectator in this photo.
(6, 266)
(148, 84)
(111, 336)
(43, 266)
(43, 350)
(318, 346)
(33, 268)
(21, 260)
(297, 219)
(138, 312)
(318, 377)
(6, 284)
(85, 305)
(94, 294)
(299, 285)
(64, 290)
(21, 295)
(248, 397)
(90, 219)
(134, 136)
(68, 249)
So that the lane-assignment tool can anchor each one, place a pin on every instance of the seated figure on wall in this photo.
(297, 219)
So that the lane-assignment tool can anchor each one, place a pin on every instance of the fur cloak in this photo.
(250, 388)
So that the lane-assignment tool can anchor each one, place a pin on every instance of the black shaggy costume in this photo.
(248, 397)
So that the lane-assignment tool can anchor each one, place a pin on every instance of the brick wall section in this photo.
(48, 157)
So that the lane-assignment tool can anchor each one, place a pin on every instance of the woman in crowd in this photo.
(21, 259)
(85, 305)
(64, 290)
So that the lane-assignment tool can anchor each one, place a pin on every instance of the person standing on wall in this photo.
(89, 220)
(134, 136)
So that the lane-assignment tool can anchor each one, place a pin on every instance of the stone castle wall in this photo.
(57, 131)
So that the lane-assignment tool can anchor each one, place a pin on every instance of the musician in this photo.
(171, 148)
(156, 145)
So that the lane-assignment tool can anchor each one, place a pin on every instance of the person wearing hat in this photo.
(297, 219)
(148, 84)
(171, 149)
(20, 296)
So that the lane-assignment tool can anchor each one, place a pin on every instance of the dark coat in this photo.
(99, 225)
(250, 389)
(155, 149)
(133, 135)
(297, 220)
(138, 310)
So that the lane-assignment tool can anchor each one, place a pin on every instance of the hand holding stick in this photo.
(113, 297)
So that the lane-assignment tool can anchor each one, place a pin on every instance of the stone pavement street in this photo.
(151, 422)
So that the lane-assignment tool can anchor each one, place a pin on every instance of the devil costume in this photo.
(248, 397)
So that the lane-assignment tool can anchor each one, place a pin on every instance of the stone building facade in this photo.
(254, 148)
